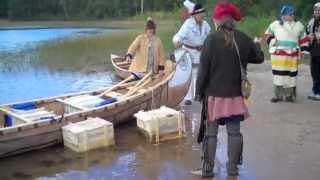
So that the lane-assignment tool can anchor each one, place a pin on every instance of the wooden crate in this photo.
(89, 134)
(161, 124)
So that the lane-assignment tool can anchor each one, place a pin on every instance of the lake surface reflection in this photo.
(21, 77)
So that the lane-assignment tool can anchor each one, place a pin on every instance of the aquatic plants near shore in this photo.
(92, 53)
(89, 53)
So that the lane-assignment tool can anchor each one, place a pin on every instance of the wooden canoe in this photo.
(29, 132)
(178, 85)
(120, 66)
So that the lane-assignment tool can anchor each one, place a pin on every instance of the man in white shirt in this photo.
(191, 36)
(192, 33)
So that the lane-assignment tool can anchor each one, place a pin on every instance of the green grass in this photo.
(85, 53)
(255, 26)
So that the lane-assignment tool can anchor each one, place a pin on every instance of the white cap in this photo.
(316, 5)
(189, 5)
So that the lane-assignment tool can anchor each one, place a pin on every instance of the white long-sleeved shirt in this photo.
(191, 34)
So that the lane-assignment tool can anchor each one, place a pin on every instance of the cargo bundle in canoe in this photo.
(37, 124)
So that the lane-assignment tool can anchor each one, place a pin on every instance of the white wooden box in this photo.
(89, 134)
(161, 124)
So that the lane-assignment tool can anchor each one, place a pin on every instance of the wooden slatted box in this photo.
(161, 124)
(89, 134)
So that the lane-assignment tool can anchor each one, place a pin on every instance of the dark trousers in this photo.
(315, 73)
(235, 141)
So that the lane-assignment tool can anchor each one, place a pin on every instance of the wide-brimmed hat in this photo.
(189, 6)
(198, 9)
(226, 9)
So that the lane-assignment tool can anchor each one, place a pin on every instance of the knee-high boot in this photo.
(234, 153)
(235, 142)
(209, 146)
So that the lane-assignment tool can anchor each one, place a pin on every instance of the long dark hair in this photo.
(227, 27)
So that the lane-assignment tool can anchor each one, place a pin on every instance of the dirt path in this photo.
(282, 141)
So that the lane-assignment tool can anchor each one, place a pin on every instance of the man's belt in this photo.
(198, 48)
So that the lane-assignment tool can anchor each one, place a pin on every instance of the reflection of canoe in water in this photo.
(37, 124)
(178, 85)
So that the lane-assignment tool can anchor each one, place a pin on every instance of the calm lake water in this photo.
(21, 77)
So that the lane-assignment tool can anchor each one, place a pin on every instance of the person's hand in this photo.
(128, 59)
(311, 37)
(257, 40)
(177, 45)
(198, 98)
(161, 73)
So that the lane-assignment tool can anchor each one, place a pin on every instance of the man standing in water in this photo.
(190, 37)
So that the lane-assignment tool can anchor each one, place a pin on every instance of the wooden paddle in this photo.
(140, 84)
(132, 91)
(117, 85)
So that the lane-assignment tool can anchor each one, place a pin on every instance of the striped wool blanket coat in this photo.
(286, 40)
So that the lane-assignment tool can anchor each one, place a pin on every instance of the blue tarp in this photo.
(107, 101)
(24, 106)
(7, 121)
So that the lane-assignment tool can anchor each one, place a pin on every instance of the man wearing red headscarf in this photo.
(223, 61)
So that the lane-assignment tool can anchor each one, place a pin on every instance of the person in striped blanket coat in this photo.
(286, 39)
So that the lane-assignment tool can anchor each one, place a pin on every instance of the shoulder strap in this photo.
(243, 71)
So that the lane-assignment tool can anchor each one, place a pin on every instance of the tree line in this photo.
(80, 9)
(107, 9)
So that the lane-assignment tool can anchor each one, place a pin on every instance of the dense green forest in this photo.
(107, 9)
